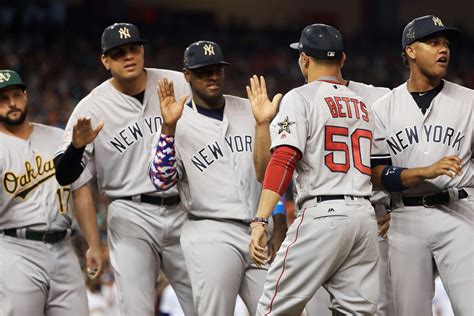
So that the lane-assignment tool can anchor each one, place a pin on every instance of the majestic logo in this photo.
(209, 50)
(22, 184)
(331, 210)
(437, 21)
(4, 76)
(124, 32)
(285, 126)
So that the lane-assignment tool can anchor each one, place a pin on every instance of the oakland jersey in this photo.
(30, 194)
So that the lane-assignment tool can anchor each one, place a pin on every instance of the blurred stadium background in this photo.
(55, 46)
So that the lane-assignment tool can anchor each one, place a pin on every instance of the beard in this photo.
(14, 122)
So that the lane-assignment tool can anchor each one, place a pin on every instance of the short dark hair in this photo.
(326, 61)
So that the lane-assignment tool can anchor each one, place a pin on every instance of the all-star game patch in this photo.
(285, 126)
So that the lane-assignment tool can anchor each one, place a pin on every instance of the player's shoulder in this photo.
(43, 128)
(238, 104)
(457, 91)
(391, 97)
(367, 91)
(158, 73)
(236, 101)
(96, 97)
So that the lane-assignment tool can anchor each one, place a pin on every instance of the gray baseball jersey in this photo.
(219, 187)
(443, 234)
(331, 126)
(207, 149)
(320, 303)
(35, 276)
(142, 237)
(121, 150)
(31, 195)
(344, 169)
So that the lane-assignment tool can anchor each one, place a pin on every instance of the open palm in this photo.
(263, 109)
(83, 133)
(171, 109)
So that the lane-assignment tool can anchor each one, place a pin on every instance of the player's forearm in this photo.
(413, 176)
(387, 179)
(376, 178)
(261, 150)
(279, 223)
(69, 165)
(162, 172)
(277, 177)
(268, 200)
(84, 212)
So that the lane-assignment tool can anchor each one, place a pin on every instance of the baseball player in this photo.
(207, 145)
(264, 111)
(143, 226)
(320, 303)
(424, 140)
(39, 270)
(333, 241)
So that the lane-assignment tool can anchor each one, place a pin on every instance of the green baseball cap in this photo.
(10, 78)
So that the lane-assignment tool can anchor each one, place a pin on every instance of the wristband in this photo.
(255, 224)
(257, 219)
(392, 179)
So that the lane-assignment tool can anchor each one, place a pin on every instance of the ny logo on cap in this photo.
(124, 32)
(209, 50)
(437, 21)
(4, 76)
(411, 33)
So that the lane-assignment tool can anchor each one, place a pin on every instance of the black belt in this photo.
(234, 220)
(49, 237)
(322, 198)
(156, 200)
(432, 199)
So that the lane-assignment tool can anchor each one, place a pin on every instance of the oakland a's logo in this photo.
(124, 32)
(4, 76)
(22, 184)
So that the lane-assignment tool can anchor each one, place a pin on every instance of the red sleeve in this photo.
(280, 168)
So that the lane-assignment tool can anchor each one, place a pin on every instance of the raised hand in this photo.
(263, 110)
(83, 133)
(171, 110)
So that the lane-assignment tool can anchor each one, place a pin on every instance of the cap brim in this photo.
(451, 33)
(141, 41)
(295, 45)
(223, 63)
(19, 85)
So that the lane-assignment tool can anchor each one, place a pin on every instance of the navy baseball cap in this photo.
(425, 26)
(320, 41)
(203, 53)
(10, 78)
(119, 34)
